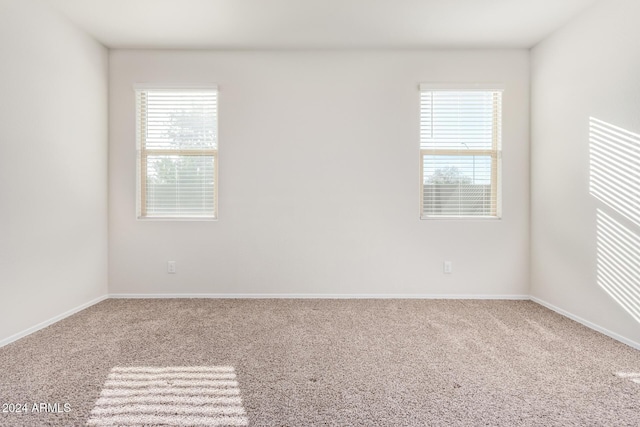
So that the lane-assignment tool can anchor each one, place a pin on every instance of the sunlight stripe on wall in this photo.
(615, 167)
(618, 263)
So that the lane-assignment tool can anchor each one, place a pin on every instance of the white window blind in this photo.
(460, 153)
(177, 145)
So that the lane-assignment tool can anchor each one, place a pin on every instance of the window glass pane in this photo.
(457, 186)
(457, 120)
(180, 120)
(457, 169)
(180, 185)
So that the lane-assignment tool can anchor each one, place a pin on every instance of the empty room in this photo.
(319, 213)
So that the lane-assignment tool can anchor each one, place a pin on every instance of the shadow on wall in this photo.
(615, 181)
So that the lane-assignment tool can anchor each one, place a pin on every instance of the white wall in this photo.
(53, 166)
(319, 178)
(590, 68)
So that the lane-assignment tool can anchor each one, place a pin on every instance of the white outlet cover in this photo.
(447, 267)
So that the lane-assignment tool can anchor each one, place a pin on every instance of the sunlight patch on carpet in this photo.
(170, 396)
(633, 376)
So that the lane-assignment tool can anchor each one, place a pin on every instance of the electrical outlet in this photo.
(447, 267)
(171, 267)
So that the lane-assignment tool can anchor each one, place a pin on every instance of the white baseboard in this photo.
(322, 296)
(586, 323)
(51, 321)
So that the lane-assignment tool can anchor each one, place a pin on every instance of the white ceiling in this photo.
(291, 24)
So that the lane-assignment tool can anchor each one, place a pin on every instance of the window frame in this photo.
(143, 153)
(495, 152)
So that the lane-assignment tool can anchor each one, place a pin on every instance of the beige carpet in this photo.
(320, 363)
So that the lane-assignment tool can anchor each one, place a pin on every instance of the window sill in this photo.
(460, 218)
(164, 218)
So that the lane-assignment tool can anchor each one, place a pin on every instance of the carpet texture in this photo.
(320, 363)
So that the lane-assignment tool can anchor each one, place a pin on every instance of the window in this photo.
(177, 145)
(460, 152)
